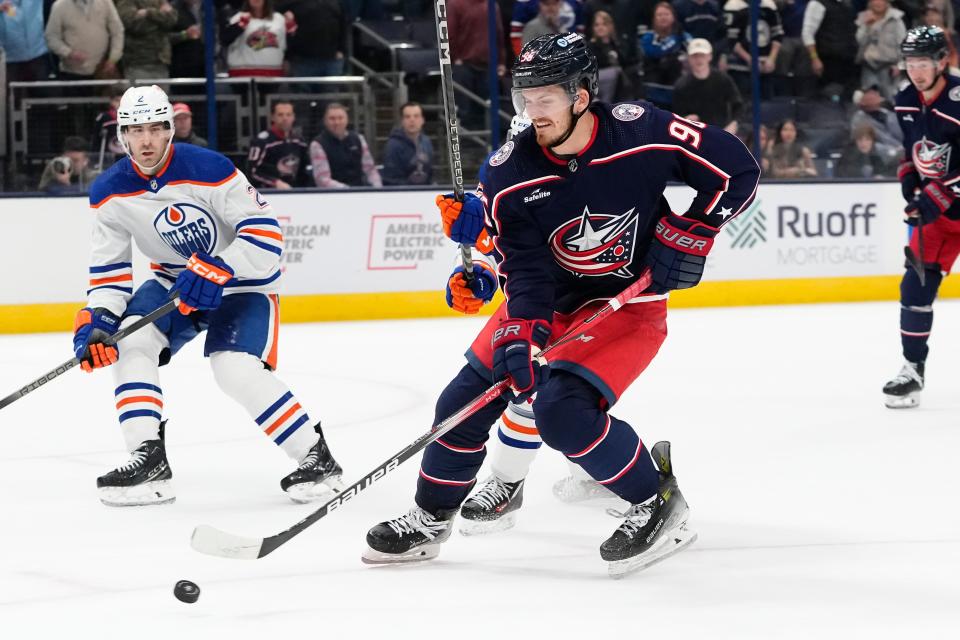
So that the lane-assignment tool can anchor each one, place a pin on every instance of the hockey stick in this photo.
(71, 363)
(912, 259)
(452, 124)
(214, 542)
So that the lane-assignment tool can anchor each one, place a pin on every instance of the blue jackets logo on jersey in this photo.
(187, 229)
(930, 158)
(596, 244)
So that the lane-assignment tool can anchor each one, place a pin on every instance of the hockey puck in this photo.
(186, 591)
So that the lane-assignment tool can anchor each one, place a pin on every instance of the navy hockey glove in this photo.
(469, 299)
(90, 328)
(678, 252)
(514, 344)
(200, 284)
(463, 221)
(909, 180)
(930, 203)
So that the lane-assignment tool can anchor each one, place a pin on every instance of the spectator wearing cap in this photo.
(769, 36)
(87, 36)
(704, 93)
(408, 158)
(183, 125)
(69, 172)
(872, 112)
(880, 30)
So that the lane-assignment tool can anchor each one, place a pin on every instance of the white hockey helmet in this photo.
(517, 124)
(143, 105)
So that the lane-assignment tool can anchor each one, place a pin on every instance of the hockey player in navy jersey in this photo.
(929, 114)
(575, 209)
(213, 239)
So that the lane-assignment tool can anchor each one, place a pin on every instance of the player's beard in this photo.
(555, 135)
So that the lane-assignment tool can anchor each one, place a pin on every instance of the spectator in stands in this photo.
(87, 36)
(862, 159)
(605, 46)
(547, 21)
(830, 35)
(663, 47)
(319, 45)
(873, 113)
(105, 143)
(69, 172)
(278, 157)
(794, 74)
(408, 158)
(148, 23)
(701, 19)
(186, 41)
(569, 18)
(706, 94)
(183, 125)
(745, 133)
(788, 157)
(256, 39)
(934, 16)
(22, 39)
(626, 19)
(467, 25)
(880, 30)
(769, 35)
(340, 157)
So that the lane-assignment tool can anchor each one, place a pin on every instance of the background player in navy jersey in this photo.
(929, 114)
(213, 238)
(575, 208)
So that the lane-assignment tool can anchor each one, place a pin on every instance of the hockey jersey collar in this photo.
(159, 174)
(554, 158)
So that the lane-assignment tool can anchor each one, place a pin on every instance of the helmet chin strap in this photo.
(574, 118)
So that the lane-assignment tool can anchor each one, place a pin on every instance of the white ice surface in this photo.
(821, 514)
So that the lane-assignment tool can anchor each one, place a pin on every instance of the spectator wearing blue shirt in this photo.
(408, 158)
(701, 19)
(663, 48)
(22, 38)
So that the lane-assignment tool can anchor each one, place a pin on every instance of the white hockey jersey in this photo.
(197, 202)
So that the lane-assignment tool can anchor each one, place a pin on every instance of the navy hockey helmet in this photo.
(562, 58)
(924, 42)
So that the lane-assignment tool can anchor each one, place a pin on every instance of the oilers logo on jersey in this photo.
(187, 229)
(596, 244)
(931, 159)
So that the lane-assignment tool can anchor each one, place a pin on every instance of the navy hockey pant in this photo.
(571, 417)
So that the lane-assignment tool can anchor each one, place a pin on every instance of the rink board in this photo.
(382, 254)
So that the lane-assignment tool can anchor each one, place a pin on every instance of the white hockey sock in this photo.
(268, 401)
(136, 377)
(519, 441)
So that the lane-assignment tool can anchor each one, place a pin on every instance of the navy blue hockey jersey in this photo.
(569, 231)
(931, 135)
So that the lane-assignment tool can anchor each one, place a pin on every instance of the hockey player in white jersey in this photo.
(213, 239)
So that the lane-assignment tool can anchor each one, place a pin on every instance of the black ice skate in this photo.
(903, 392)
(413, 537)
(318, 476)
(143, 480)
(493, 508)
(652, 530)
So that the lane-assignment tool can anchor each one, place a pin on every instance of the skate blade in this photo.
(908, 401)
(141, 495)
(306, 492)
(484, 527)
(572, 490)
(678, 540)
(421, 554)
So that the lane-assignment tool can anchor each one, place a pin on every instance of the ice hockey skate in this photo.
(413, 537)
(652, 530)
(493, 508)
(143, 480)
(903, 392)
(318, 476)
(579, 487)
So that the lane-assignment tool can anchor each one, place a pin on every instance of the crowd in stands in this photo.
(690, 56)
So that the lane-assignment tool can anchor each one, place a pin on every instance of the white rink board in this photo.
(392, 241)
